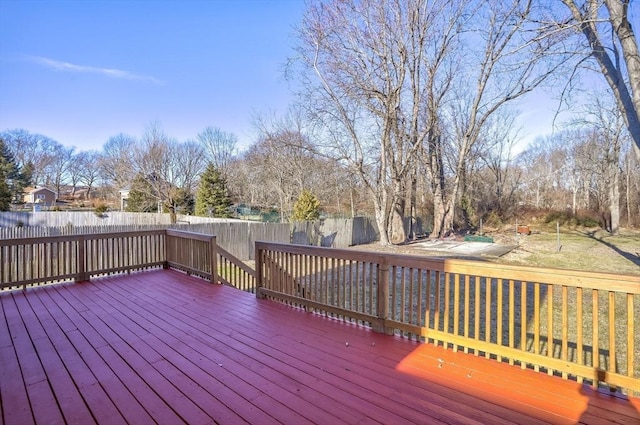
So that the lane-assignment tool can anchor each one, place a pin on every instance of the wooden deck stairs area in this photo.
(164, 347)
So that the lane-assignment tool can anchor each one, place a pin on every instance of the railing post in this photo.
(81, 260)
(383, 296)
(214, 259)
(165, 237)
(259, 274)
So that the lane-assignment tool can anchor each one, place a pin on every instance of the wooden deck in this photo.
(163, 347)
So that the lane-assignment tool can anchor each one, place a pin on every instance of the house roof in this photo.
(31, 190)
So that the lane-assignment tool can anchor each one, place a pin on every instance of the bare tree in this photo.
(366, 78)
(58, 170)
(87, 164)
(632, 188)
(190, 163)
(544, 166)
(116, 161)
(220, 146)
(153, 161)
(496, 153)
(283, 165)
(502, 62)
(396, 81)
(169, 168)
(612, 43)
(73, 171)
(609, 129)
(34, 149)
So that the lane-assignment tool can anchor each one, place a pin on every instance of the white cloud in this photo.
(108, 72)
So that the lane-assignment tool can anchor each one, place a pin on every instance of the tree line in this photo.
(408, 109)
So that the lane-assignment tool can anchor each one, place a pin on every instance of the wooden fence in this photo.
(236, 237)
(335, 232)
(573, 324)
(239, 237)
(79, 218)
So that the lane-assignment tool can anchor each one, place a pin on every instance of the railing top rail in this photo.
(223, 252)
(575, 278)
(85, 236)
(191, 235)
(347, 254)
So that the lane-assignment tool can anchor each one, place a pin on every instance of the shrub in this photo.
(492, 219)
(567, 218)
(307, 207)
(101, 210)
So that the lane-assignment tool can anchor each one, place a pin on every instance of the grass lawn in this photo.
(592, 250)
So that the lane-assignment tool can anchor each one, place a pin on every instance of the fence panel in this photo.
(335, 232)
(80, 218)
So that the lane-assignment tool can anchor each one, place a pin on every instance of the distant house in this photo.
(124, 198)
(40, 195)
(80, 194)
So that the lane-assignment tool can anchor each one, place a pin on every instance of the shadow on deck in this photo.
(163, 347)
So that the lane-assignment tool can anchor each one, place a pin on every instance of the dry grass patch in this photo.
(589, 250)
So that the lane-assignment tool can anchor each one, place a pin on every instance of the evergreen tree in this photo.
(141, 196)
(5, 193)
(213, 198)
(12, 180)
(307, 207)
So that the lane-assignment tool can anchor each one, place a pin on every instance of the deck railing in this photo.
(573, 324)
(34, 261)
(200, 255)
(77, 257)
(193, 253)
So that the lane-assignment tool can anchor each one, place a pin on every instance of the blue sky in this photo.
(83, 71)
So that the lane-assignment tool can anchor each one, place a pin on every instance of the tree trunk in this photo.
(443, 209)
(436, 167)
(574, 198)
(413, 230)
(628, 191)
(398, 233)
(353, 206)
(619, 15)
(382, 222)
(397, 229)
(382, 213)
(627, 98)
(438, 215)
(614, 198)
